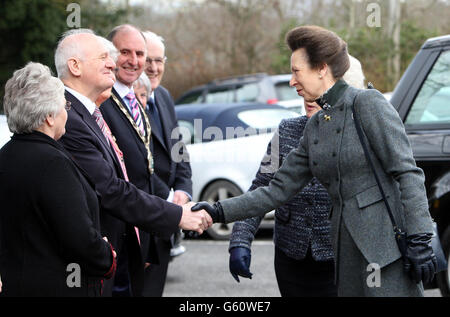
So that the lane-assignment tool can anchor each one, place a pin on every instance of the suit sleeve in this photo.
(388, 139)
(120, 198)
(293, 175)
(67, 214)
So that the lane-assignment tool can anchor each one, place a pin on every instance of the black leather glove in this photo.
(215, 211)
(420, 261)
(240, 258)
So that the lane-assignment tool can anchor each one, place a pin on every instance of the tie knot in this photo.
(97, 113)
(131, 95)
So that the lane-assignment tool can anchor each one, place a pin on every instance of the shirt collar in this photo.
(85, 101)
(332, 95)
(122, 89)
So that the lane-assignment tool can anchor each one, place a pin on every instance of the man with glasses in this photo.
(172, 179)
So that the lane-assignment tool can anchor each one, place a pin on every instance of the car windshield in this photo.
(285, 92)
(265, 118)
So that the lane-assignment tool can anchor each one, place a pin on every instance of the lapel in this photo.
(79, 108)
(143, 142)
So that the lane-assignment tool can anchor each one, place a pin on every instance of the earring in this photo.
(320, 76)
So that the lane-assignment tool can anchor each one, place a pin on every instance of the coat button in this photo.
(338, 130)
(314, 163)
(316, 141)
(334, 154)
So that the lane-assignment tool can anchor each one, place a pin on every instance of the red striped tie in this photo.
(109, 138)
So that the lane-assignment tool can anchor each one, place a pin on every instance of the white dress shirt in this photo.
(85, 101)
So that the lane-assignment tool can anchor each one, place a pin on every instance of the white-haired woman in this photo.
(50, 239)
(142, 89)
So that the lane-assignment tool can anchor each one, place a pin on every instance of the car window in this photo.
(432, 104)
(193, 97)
(247, 93)
(222, 95)
(265, 118)
(285, 92)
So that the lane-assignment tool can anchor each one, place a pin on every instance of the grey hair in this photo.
(67, 50)
(144, 81)
(354, 76)
(150, 36)
(112, 50)
(32, 94)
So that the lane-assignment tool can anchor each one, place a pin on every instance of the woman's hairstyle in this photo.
(30, 96)
(145, 82)
(354, 75)
(322, 47)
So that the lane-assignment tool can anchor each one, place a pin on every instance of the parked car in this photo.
(226, 144)
(422, 98)
(260, 87)
(5, 134)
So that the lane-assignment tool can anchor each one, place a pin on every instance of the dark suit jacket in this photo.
(136, 159)
(49, 219)
(169, 173)
(123, 205)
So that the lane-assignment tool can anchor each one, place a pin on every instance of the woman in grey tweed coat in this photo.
(367, 259)
(303, 251)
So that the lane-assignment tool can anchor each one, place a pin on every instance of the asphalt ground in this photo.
(202, 271)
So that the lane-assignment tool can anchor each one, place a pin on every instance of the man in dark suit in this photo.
(86, 69)
(172, 174)
(141, 141)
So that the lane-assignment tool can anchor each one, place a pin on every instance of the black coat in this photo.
(123, 205)
(169, 173)
(49, 219)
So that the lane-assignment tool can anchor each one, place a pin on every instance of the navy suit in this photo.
(168, 172)
(123, 205)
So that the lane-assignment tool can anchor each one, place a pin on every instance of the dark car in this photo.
(262, 88)
(226, 143)
(422, 98)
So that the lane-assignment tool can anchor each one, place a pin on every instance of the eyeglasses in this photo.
(68, 105)
(158, 60)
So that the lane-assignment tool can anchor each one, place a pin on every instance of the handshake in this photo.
(200, 216)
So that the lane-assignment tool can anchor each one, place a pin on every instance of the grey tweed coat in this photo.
(301, 223)
(330, 151)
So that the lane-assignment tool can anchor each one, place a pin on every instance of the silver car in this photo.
(226, 143)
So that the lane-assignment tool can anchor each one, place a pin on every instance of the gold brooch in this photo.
(327, 117)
